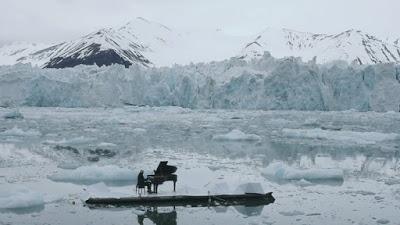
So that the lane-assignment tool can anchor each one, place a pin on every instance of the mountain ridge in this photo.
(353, 46)
(146, 43)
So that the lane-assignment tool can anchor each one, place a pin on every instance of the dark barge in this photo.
(247, 199)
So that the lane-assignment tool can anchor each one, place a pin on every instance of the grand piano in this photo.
(163, 173)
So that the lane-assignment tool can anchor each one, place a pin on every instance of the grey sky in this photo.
(56, 20)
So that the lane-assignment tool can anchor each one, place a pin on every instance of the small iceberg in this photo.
(15, 131)
(16, 114)
(281, 171)
(343, 136)
(236, 135)
(95, 174)
(12, 197)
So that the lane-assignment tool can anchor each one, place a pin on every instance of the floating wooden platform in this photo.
(247, 199)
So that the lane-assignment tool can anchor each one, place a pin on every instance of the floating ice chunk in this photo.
(343, 136)
(303, 183)
(359, 192)
(68, 165)
(106, 144)
(312, 122)
(93, 174)
(392, 181)
(281, 171)
(77, 140)
(139, 130)
(10, 155)
(292, 213)
(13, 197)
(331, 127)
(383, 221)
(236, 135)
(13, 115)
(249, 188)
(15, 131)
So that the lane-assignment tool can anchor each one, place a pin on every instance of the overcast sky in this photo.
(57, 20)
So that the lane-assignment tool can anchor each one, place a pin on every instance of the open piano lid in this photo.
(163, 168)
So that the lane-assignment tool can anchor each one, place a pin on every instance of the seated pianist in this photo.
(163, 173)
(142, 183)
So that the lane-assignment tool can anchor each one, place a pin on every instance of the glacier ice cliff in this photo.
(266, 83)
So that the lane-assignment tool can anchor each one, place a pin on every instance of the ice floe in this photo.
(15, 131)
(94, 174)
(236, 135)
(13, 197)
(292, 213)
(281, 171)
(383, 221)
(139, 130)
(106, 144)
(76, 140)
(341, 135)
(11, 155)
(14, 115)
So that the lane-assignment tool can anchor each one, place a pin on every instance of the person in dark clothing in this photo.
(142, 182)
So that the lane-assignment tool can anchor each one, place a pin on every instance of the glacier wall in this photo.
(266, 83)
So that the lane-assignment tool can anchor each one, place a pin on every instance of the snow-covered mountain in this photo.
(18, 52)
(139, 42)
(130, 44)
(146, 43)
(351, 46)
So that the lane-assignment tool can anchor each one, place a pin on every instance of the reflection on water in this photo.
(188, 136)
(249, 210)
(168, 216)
(158, 218)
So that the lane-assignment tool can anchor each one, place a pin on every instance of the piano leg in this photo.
(174, 185)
